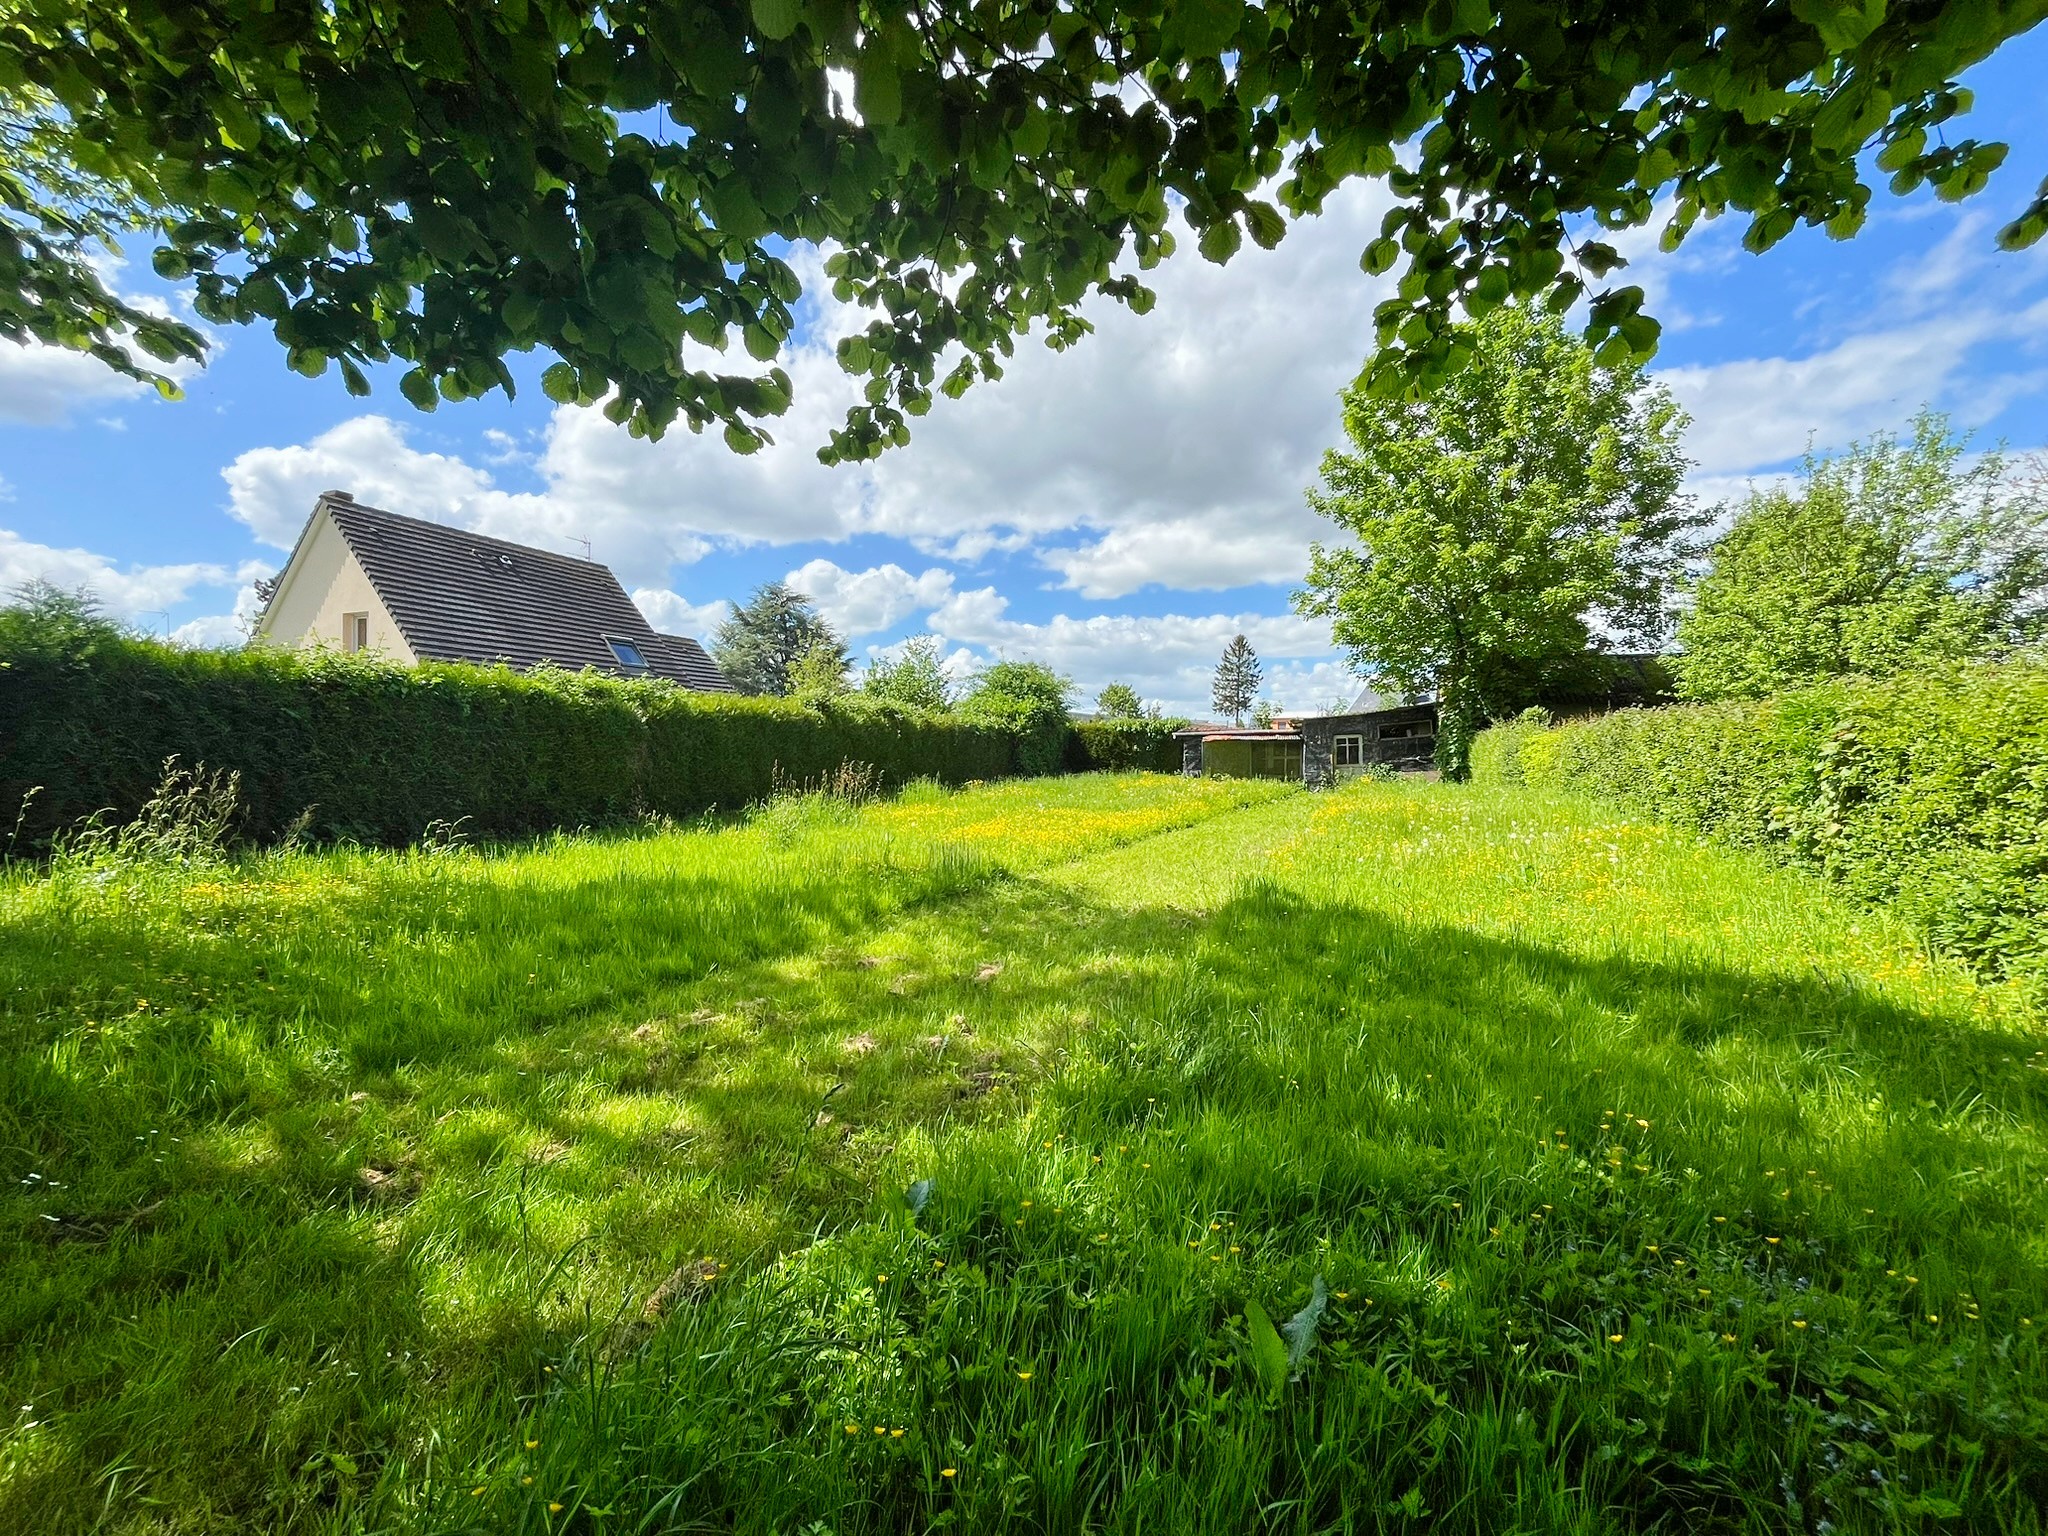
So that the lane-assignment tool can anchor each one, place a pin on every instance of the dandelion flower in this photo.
(1934, 1317)
(526, 1482)
(1727, 1338)
(1798, 1322)
(477, 1492)
(881, 1279)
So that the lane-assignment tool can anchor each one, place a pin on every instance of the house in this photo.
(1319, 750)
(360, 579)
(1384, 731)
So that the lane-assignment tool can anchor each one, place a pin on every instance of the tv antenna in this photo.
(584, 542)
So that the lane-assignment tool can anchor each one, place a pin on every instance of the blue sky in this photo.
(1119, 511)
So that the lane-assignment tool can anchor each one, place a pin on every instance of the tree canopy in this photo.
(1529, 505)
(1892, 556)
(915, 676)
(1028, 698)
(1119, 701)
(760, 646)
(443, 184)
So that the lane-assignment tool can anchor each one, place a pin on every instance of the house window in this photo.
(355, 631)
(1350, 751)
(627, 653)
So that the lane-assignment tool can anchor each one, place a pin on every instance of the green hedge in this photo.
(1927, 793)
(1122, 745)
(380, 753)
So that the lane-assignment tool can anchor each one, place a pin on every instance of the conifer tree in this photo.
(1238, 676)
(759, 645)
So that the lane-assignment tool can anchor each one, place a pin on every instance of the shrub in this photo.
(1928, 793)
(343, 747)
(1122, 744)
(1029, 701)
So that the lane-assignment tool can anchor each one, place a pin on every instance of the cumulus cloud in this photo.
(673, 614)
(43, 386)
(863, 602)
(272, 490)
(1169, 658)
(125, 592)
(1207, 415)
(1760, 411)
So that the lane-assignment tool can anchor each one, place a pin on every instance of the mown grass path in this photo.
(562, 1190)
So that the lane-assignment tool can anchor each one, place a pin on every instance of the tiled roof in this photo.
(691, 664)
(459, 596)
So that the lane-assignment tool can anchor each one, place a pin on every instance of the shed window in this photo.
(355, 631)
(627, 652)
(1350, 751)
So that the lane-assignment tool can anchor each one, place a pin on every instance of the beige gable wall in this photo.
(324, 581)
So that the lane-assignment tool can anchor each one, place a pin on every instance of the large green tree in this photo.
(760, 646)
(1499, 525)
(441, 183)
(1892, 556)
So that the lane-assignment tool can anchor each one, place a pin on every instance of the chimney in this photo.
(336, 496)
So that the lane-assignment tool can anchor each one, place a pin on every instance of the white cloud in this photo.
(43, 386)
(1762, 411)
(673, 614)
(862, 602)
(220, 631)
(272, 490)
(127, 593)
(1206, 416)
(1170, 658)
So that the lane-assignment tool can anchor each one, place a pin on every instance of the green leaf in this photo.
(1203, 27)
(1911, 1442)
(777, 19)
(1380, 257)
(1269, 1353)
(1220, 241)
(877, 89)
(1265, 223)
(1300, 1329)
(558, 383)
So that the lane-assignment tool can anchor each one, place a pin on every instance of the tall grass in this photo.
(923, 1168)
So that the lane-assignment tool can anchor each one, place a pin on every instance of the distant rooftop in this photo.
(461, 596)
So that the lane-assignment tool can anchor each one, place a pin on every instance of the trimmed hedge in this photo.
(1926, 793)
(1123, 745)
(379, 753)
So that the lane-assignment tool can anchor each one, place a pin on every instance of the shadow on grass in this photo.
(370, 1194)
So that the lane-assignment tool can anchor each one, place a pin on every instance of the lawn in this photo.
(937, 1164)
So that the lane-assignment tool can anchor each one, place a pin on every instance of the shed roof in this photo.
(461, 596)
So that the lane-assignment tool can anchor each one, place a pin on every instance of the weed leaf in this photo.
(918, 1195)
(1269, 1355)
(1300, 1329)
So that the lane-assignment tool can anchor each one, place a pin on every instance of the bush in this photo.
(1928, 793)
(1123, 744)
(347, 748)
(1027, 700)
